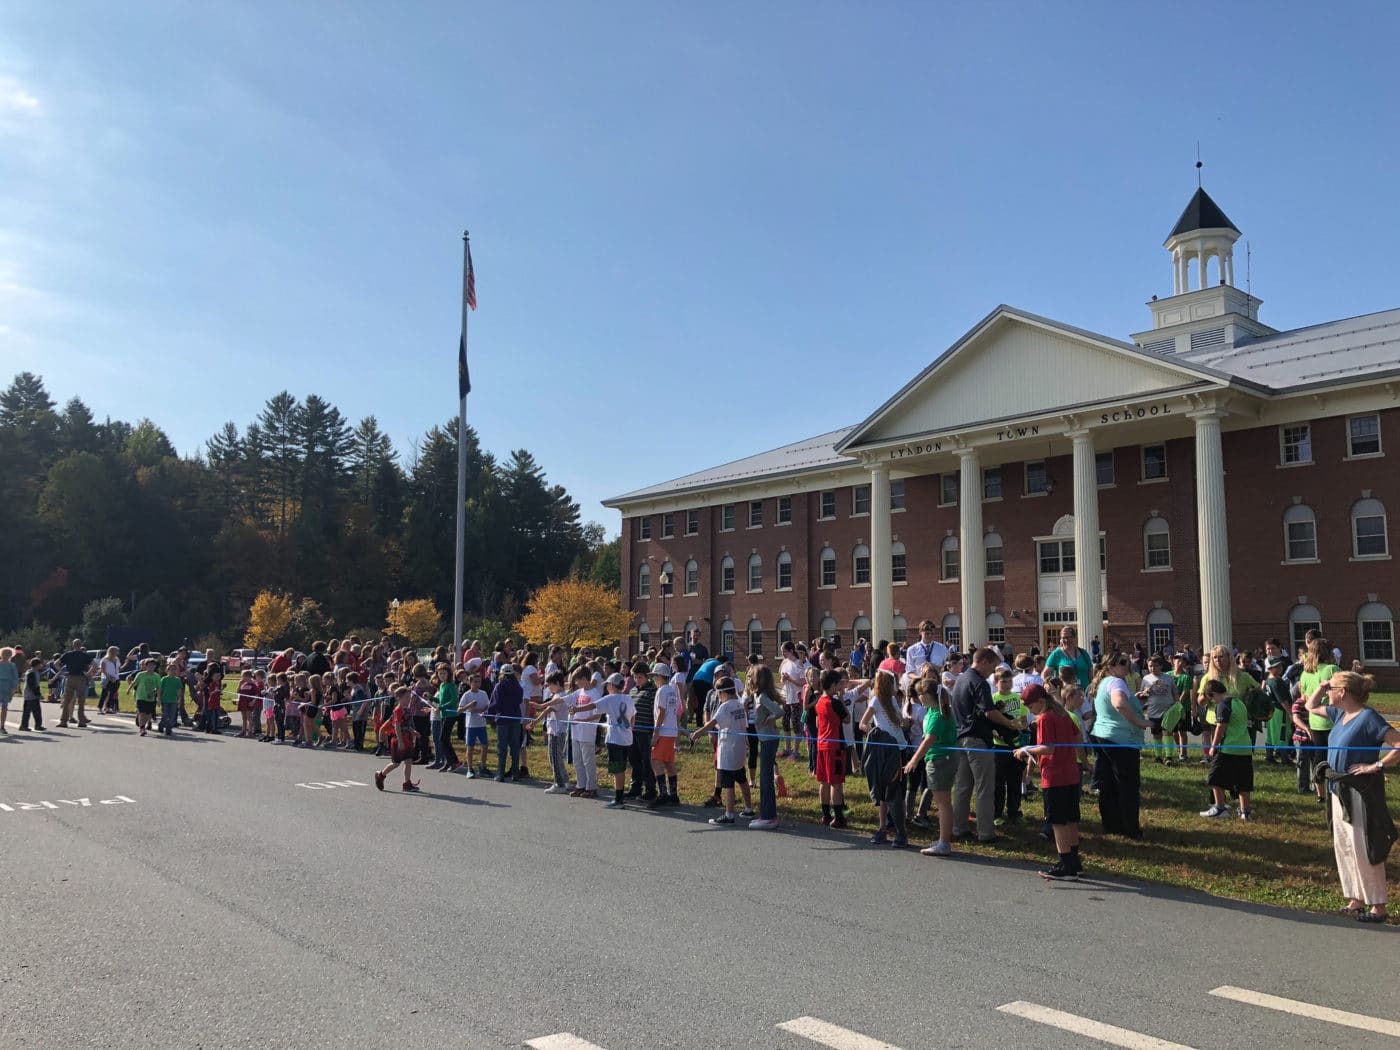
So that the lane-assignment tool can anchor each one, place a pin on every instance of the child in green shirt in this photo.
(146, 686)
(170, 687)
(1010, 769)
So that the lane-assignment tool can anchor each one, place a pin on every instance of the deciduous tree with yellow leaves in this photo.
(417, 620)
(268, 617)
(574, 612)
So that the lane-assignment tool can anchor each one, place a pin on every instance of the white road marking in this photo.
(1301, 1009)
(561, 1041)
(330, 785)
(831, 1035)
(1104, 1033)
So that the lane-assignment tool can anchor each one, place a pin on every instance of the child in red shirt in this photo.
(830, 749)
(1056, 748)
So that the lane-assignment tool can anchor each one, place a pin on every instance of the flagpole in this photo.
(460, 577)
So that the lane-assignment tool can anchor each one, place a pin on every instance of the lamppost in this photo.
(394, 615)
(665, 580)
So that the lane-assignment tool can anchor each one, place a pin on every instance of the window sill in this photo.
(780, 590)
(726, 592)
(691, 594)
(1290, 466)
(948, 579)
(750, 528)
(730, 529)
(1106, 485)
(946, 506)
(860, 513)
(826, 586)
(780, 524)
(1157, 568)
(1034, 495)
(644, 539)
(1379, 663)
(896, 510)
(899, 583)
(985, 499)
(754, 590)
(826, 517)
(692, 534)
(1364, 455)
(993, 579)
(1301, 561)
(1370, 557)
(860, 586)
(1154, 481)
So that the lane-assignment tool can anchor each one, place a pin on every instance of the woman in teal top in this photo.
(1068, 658)
(1117, 740)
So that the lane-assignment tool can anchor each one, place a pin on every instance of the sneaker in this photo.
(616, 803)
(763, 825)
(722, 822)
(839, 822)
(409, 785)
(938, 849)
(500, 778)
(920, 822)
(899, 841)
(379, 780)
(712, 803)
(554, 789)
(1246, 814)
(878, 839)
(468, 773)
(1059, 873)
(1216, 811)
(747, 813)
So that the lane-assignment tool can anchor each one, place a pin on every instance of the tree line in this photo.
(299, 501)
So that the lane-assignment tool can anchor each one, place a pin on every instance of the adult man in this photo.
(927, 650)
(644, 704)
(508, 707)
(976, 717)
(76, 663)
(700, 683)
(319, 663)
(697, 651)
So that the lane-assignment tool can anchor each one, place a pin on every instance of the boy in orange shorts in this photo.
(663, 745)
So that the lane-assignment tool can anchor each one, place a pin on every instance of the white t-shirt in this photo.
(620, 711)
(732, 723)
(917, 713)
(556, 722)
(792, 692)
(530, 683)
(883, 722)
(856, 702)
(476, 719)
(1021, 679)
(583, 728)
(668, 706)
(111, 670)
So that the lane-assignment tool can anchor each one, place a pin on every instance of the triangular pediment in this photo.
(1016, 365)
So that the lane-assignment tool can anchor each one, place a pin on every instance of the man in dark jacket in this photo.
(75, 663)
(507, 706)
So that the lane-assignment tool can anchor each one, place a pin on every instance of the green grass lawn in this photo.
(1284, 857)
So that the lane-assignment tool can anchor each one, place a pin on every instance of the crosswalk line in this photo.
(1104, 1033)
(1302, 1009)
(561, 1041)
(831, 1035)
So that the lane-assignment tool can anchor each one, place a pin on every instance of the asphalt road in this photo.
(228, 905)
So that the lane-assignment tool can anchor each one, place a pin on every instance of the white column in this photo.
(1227, 268)
(1216, 621)
(881, 572)
(1088, 590)
(1178, 272)
(974, 560)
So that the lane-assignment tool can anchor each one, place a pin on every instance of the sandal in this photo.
(1370, 916)
(1347, 909)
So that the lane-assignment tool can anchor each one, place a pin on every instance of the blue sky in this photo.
(700, 230)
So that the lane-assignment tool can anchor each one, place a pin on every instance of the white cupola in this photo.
(1203, 232)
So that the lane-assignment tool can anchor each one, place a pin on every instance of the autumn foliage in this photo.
(268, 617)
(575, 612)
(417, 620)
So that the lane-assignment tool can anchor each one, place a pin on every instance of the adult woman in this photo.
(1362, 832)
(768, 713)
(1117, 740)
(110, 673)
(1220, 667)
(1318, 669)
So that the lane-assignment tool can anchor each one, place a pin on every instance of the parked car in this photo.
(243, 660)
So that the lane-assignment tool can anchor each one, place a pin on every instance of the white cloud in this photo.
(16, 99)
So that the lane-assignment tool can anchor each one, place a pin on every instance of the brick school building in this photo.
(1211, 480)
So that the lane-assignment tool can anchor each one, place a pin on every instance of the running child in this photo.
(146, 686)
(403, 739)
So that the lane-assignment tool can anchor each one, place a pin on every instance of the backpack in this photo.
(1258, 704)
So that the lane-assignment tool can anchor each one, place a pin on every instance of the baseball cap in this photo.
(1034, 693)
(1275, 661)
(507, 668)
(617, 680)
(661, 671)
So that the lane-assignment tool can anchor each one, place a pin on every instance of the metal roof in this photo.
(797, 458)
(1336, 352)
(1202, 213)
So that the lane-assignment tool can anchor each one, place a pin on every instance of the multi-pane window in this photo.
(692, 522)
(995, 557)
(755, 513)
(828, 568)
(899, 567)
(1296, 443)
(755, 573)
(644, 527)
(860, 566)
(1368, 529)
(860, 499)
(991, 483)
(726, 637)
(1037, 478)
(996, 629)
(785, 571)
(784, 631)
(828, 505)
(667, 580)
(1157, 544)
(1056, 557)
(1103, 468)
(897, 494)
(952, 632)
(1377, 632)
(726, 518)
(755, 636)
(949, 559)
(1364, 436)
(692, 577)
(1299, 534)
(726, 576)
(644, 581)
(784, 510)
(948, 489)
(1154, 462)
(668, 526)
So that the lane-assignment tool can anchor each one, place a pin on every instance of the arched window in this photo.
(1301, 620)
(755, 636)
(666, 629)
(949, 562)
(828, 567)
(1376, 628)
(667, 579)
(860, 566)
(1156, 545)
(1161, 631)
(643, 634)
(726, 575)
(690, 628)
(692, 577)
(784, 631)
(996, 628)
(755, 573)
(726, 636)
(1368, 533)
(992, 545)
(899, 564)
(900, 626)
(784, 571)
(860, 629)
(952, 631)
(1299, 533)
(828, 627)
(644, 581)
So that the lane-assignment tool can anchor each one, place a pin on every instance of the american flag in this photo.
(471, 280)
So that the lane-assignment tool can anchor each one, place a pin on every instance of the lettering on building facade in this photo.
(1128, 415)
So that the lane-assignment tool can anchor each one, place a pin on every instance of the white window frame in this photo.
(943, 480)
(896, 495)
(726, 575)
(1151, 528)
(1376, 614)
(1026, 491)
(755, 510)
(726, 518)
(860, 494)
(692, 578)
(644, 528)
(1166, 474)
(988, 473)
(784, 562)
(751, 631)
(1112, 470)
(996, 629)
(1299, 514)
(1351, 446)
(860, 565)
(644, 580)
(993, 542)
(668, 525)
(1373, 508)
(1301, 619)
(1298, 443)
(822, 513)
(950, 545)
(755, 562)
(692, 523)
(827, 558)
(668, 589)
(899, 564)
(784, 504)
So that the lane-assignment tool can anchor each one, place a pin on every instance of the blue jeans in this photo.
(767, 789)
(167, 714)
(508, 737)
